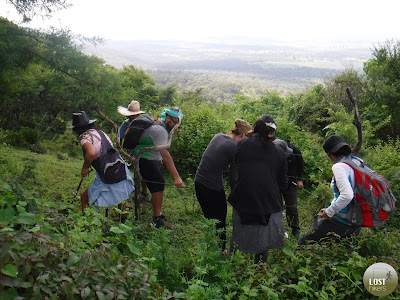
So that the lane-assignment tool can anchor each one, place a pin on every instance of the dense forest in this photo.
(49, 251)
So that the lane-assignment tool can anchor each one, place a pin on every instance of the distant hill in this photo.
(225, 68)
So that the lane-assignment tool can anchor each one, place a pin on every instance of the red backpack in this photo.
(373, 199)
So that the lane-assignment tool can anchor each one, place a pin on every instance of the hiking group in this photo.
(264, 174)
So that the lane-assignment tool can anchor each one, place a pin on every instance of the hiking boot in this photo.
(161, 221)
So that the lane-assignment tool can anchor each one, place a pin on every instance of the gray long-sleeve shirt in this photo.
(219, 154)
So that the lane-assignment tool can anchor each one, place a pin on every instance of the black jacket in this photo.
(295, 165)
(262, 177)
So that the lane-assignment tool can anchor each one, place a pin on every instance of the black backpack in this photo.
(109, 166)
(135, 130)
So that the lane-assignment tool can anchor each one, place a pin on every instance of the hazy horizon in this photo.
(307, 22)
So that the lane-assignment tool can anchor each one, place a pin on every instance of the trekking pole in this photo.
(80, 183)
(79, 186)
(317, 214)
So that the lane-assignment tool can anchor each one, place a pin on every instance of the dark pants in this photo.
(152, 174)
(344, 232)
(214, 206)
(292, 214)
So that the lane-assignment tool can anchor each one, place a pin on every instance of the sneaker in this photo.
(161, 221)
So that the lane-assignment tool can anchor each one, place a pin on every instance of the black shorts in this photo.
(152, 174)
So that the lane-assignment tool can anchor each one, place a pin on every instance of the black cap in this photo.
(80, 119)
(334, 143)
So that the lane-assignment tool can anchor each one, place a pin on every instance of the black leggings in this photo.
(325, 226)
(214, 206)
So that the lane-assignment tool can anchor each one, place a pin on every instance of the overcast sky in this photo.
(287, 20)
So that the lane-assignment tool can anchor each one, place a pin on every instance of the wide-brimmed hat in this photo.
(283, 145)
(133, 109)
(334, 143)
(242, 126)
(80, 119)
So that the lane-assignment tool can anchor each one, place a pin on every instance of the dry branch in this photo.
(357, 122)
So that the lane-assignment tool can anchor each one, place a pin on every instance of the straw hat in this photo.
(133, 109)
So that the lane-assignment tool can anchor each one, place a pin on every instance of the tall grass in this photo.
(50, 250)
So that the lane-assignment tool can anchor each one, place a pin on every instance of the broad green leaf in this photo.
(20, 208)
(101, 296)
(11, 200)
(125, 228)
(27, 218)
(42, 278)
(6, 229)
(22, 203)
(116, 230)
(25, 285)
(288, 251)
(134, 248)
(46, 290)
(9, 294)
(66, 278)
(10, 270)
(5, 188)
(332, 290)
(85, 292)
(34, 229)
(7, 214)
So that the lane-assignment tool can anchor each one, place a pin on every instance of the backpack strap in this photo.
(105, 146)
(350, 216)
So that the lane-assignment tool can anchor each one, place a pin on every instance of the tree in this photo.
(139, 86)
(29, 8)
(383, 90)
(309, 109)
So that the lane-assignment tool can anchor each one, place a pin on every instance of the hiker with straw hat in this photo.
(99, 192)
(132, 112)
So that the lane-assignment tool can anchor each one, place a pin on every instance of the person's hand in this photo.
(299, 184)
(323, 214)
(84, 172)
(179, 183)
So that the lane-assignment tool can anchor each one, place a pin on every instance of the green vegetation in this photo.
(49, 251)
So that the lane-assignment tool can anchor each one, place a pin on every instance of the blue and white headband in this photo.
(171, 112)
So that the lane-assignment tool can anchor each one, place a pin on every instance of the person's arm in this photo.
(170, 165)
(89, 151)
(346, 193)
(300, 168)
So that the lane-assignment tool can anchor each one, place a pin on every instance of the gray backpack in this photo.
(373, 199)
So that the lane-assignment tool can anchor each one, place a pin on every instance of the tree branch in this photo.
(357, 122)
